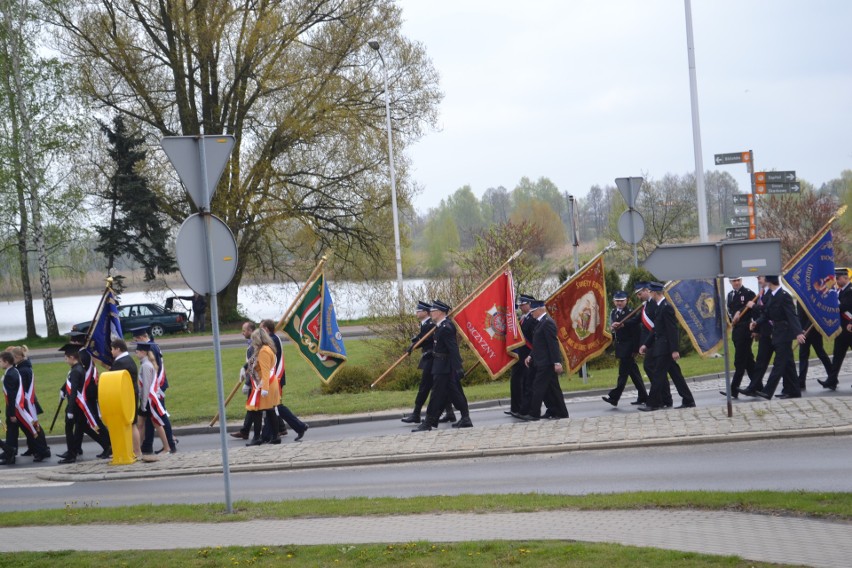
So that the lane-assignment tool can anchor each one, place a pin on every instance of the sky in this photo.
(583, 92)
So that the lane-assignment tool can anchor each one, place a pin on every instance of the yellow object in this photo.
(117, 401)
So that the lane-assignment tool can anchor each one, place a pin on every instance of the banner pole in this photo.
(288, 312)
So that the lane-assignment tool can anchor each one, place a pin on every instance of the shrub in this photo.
(349, 379)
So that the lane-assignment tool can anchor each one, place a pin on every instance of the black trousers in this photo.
(148, 441)
(546, 388)
(257, 422)
(37, 443)
(765, 350)
(446, 389)
(783, 366)
(743, 356)
(627, 367)
(813, 339)
(841, 346)
(76, 427)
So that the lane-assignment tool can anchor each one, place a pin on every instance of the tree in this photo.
(296, 84)
(466, 212)
(442, 238)
(496, 205)
(134, 228)
(541, 215)
(719, 189)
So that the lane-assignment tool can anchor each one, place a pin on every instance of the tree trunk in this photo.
(27, 160)
(23, 256)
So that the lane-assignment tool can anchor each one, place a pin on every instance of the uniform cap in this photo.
(440, 306)
(639, 286)
(656, 286)
(841, 272)
(424, 306)
(620, 295)
(70, 348)
(137, 331)
(536, 304)
(772, 279)
(524, 299)
(143, 346)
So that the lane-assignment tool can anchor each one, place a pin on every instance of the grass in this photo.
(836, 506)
(192, 398)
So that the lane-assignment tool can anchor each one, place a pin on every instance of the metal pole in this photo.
(375, 45)
(696, 127)
(214, 320)
(720, 282)
(575, 238)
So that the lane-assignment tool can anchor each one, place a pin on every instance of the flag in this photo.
(487, 321)
(105, 327)
(811, 280)
(312, 326)
(696, 303)
(579, 309)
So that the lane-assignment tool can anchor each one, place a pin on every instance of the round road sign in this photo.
(191, 252)
(631, 226)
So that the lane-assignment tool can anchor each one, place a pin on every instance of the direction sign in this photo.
(740, 233)
(775, 188)
(775, 177)
(709, 260)
(629, 188)
(185, 154)
(733, 158)
(742, 221)
(743, 199)
(740, 210)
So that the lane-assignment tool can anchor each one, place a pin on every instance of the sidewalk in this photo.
(812, 416)
(779, 539)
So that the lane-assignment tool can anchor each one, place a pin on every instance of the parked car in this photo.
(154, 316)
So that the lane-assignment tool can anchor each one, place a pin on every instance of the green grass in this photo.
(423, 554)
(822, 505)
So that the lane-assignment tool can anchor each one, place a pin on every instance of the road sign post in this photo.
(200, 161)
(631, 225)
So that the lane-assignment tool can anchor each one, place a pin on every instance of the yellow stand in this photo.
(117, 401)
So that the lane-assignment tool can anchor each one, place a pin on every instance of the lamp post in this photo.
(374, 44)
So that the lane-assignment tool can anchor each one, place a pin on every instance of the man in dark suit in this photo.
(425, 364)
(520, 385)
(786, 328)
(446, 372)
(546, 362)
(625, 335)
(663, 344)
(122, 361)
(843, 341)
(738, 299)
(763, 332)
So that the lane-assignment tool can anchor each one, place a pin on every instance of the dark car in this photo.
(157, 318)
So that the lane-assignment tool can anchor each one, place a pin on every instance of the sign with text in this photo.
(742, 221)
(732, 158)
(776, 188)
(740, 233)
(775, 177)
(740, 210)
(743, 199)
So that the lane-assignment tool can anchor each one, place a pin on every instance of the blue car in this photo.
(154, 316)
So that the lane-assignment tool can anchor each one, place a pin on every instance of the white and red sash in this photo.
(21, 413)
(646, 321)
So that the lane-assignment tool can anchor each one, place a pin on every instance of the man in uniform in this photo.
(446, 372)
(625, 334)
(520, 385)
(77, 421)
(663, 344)
(763, 332)
(738, 298)
(813, 338)
(785, 326)
(545, 360)
(425, 364)
(843, 341)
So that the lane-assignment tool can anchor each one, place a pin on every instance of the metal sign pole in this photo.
(214, 317)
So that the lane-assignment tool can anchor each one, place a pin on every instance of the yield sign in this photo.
(186, 154)
(629, 188)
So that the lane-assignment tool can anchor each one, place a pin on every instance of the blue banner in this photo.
(105, 327)
(331, 340)
(811, 280)
(696, 306)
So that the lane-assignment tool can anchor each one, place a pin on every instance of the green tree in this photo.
(442, 238)
(541, 215)
(465, 209)
(296, 84)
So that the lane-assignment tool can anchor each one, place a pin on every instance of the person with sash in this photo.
(157, 415)
(284, 415)
(36, 442)
(77, 419)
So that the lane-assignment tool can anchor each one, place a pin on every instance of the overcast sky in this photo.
(583, 92)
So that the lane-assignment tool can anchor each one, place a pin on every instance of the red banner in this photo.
(579, 309)
(489, 325)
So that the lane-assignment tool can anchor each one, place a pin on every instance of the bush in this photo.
(405, 377)
(349, 379)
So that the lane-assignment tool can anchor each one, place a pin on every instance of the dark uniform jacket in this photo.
(626, 338)
(545, 350)
(665, 339)
(446, 357)
(760, 306)
(845, 298)
(127, 363)
(428, 344)
(11, 384)
(25, 368)
(782, 318)
(76, 380)
(646, 335)
(528, 325)
(737, 300)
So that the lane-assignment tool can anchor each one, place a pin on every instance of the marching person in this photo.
(36, 441)
(284, 414)
(843, 341)
(664, 346)
(520, 385)
(786, 328)
(738, 299)
(148, 393)
(546, 361)
(157, 415)
(17, 413)
(90, 390)
(263, 396)
(122, 361)
(625, 335)
(446, 372)
(763, 334)
(77, 422)
(425, 364)
(813, 338)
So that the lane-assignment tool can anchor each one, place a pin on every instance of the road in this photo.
(810, 464)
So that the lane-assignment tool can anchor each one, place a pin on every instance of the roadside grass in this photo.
(191, 397)
(837, 506)
(422, 554)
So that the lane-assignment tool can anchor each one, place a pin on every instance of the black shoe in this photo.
(63, 455)
(41, 457)
(827, 385)
(424, 427)
(255, 442)
(609, 400)
(301, 434)
(748, 392)
(28, 453)
(463, 423)
(240, 434)
(447, 418)
(276, 440)
(107, 453)
(687, 405)
(68, 460)
(7, 460)
(785, 395)
(529, 418)
(648, 408)
(509, 412)
(734, 393)
(636, 402)
(762, 394)
(413, 418)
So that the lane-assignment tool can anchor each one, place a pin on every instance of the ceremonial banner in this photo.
(104, 328)
(811, 280)
(312, 326)
(695, 304)
(579, 309)
(488, 323)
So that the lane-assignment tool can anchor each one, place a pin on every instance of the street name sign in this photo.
(739, 233)
(740, 210)
(743, 199)
(742, 221)
(775, 177)
(732, 158)
(776, 188)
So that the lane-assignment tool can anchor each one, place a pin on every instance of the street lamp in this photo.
(374, 44)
